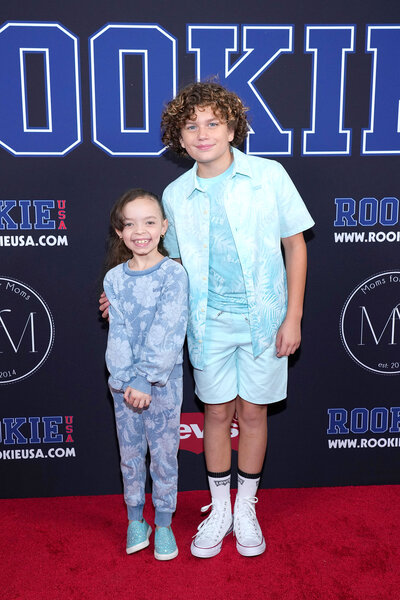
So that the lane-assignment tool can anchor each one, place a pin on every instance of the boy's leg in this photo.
(217, 435)
(253, 429)
(262, 380)
(217, 450)
(216, 386)
(252, 419)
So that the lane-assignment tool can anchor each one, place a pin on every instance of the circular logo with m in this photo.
(370, 323)
(26, 330)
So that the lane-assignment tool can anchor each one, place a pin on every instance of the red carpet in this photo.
(322, 544)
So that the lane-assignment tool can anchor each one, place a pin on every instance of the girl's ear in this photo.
(119, 233)
(164, 226)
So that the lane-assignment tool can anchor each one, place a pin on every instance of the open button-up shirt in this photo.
(262, 206)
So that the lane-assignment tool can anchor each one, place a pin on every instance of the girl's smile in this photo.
(143, 225)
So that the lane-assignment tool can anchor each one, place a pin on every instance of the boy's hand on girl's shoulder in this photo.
(288, 338)
(104, 305)
(136, 398)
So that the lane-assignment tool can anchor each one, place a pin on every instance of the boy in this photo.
(227, 218)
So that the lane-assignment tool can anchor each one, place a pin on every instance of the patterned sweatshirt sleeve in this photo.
(166, 334)
(119, 358)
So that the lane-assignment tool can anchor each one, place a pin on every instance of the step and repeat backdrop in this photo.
(82, 86)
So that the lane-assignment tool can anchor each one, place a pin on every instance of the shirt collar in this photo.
(193, 181)
(241, 163)
(240, 166)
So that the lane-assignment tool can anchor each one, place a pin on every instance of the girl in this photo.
(148, 317)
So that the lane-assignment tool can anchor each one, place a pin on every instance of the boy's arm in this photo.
(289, 334)
(104, 305)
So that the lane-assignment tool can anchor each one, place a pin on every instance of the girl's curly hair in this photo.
(225, 104)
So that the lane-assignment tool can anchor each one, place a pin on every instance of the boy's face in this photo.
(206, 138)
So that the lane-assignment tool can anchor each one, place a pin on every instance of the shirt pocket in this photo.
(263, 202)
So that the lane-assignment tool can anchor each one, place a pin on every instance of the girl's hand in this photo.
(288, 338)
(103, 305)
(136, 399)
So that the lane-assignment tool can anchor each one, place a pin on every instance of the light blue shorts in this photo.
(230, 367)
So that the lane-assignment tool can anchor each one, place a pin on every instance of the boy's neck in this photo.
(215, 167)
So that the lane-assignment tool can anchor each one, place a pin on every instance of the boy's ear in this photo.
(181, 142)
(231, 134)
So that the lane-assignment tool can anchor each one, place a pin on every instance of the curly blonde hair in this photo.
(225, 104)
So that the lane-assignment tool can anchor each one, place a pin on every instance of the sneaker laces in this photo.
(212, 525)
(245, 515)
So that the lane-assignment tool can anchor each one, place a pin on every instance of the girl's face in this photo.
(143, 226)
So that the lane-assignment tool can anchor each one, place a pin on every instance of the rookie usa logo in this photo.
(23, 438)
(370, 323)
(369, 220)
(26, 330)
(28, 223)
(116, 47)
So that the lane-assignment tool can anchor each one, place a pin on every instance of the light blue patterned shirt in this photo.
(262, 206)
(148, 318)
(226, 289)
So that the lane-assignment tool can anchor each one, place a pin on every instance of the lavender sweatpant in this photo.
(156, 428)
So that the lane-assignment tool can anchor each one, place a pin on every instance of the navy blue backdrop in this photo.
(82, 88)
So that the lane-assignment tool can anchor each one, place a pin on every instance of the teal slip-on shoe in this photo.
(138, 536)
(165, 547)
